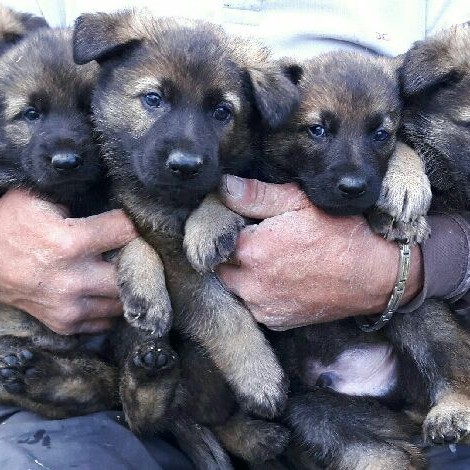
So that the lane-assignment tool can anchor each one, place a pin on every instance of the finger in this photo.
(232, 277)
(103, 232)
(94, 308)
(99, 279)
(95, 326)
(258, 200)
(24, 196)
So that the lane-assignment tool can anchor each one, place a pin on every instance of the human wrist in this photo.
(384, 263)
(444, 261)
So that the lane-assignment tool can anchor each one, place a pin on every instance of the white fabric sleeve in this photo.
(441, 14)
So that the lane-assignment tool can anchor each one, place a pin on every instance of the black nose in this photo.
(66, 161)
(184, 165)
(352, 186)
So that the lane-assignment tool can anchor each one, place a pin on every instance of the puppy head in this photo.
(435, 77)
(15, 26)
(46, 140)
(178, 102)
(337, 144)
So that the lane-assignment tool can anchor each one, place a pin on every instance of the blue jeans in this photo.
(100, 442)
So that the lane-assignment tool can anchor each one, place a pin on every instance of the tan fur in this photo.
(211, 233)
(405, 198)
(252, 440)
(142, 285)
(378, 457)
(449, 418)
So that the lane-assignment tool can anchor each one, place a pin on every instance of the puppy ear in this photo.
(275, 91)
(100, 36)
(15, 26)
(435, 61)
(33, 23)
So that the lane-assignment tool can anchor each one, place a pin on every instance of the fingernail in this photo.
(234, 186)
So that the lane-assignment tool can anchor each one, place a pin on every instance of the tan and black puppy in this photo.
(14, 26)
(341, 147)
(436, 81)
(47, 146)
(435, 78)
(177, 105)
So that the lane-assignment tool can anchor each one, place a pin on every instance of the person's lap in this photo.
(101, 441)
(96, 441)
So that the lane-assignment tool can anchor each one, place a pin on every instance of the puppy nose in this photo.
(66, 161)
(184, 165)
(352, 186)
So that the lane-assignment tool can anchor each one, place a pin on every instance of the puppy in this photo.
(435, 78)
(177, 105)
(340, 147)
(47, 146)
(14, 26)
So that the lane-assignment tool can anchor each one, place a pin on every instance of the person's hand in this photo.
(302, 266)
(51, 265)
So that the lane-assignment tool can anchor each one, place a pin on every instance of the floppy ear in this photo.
(435, 61)
(275, 91)
(100, 36)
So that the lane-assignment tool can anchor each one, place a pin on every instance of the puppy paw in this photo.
(415, 231)
(144, 313)
(380, 456)
(150, 377)
(207, 245)
(152, 357)
(405, 199)
(256, 440)
(17, 369)
(266, 399)
(447, 424)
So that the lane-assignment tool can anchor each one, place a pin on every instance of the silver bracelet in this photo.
(397, 293)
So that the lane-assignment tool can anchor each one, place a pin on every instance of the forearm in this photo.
(446, 273)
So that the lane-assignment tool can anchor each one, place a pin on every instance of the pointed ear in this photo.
(33, 23)
(15, 26)
(275, 91)
(435, 61)
(100, 36)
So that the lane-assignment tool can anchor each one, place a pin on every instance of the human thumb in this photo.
(258, 200)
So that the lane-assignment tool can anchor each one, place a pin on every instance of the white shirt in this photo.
(297, 28)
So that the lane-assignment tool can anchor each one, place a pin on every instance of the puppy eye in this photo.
(153, 100)
(381, 135)
(317, 131)
(222, 112)
(31, 114)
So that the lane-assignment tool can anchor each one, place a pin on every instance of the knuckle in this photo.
(64, 327)
(63, 244)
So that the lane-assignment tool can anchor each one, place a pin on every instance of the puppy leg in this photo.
(53, 385)
(345, 432)
(435, 352)
(150, 377)
(211, 233)
(142, 287)
(199, 444)
(448, 421)
(404, 199)
(253, 440)
(225, 328)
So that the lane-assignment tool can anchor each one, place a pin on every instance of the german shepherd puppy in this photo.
(435, 79)
(14, 26)
(47, 146)
(340, 147)
(177, 105)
